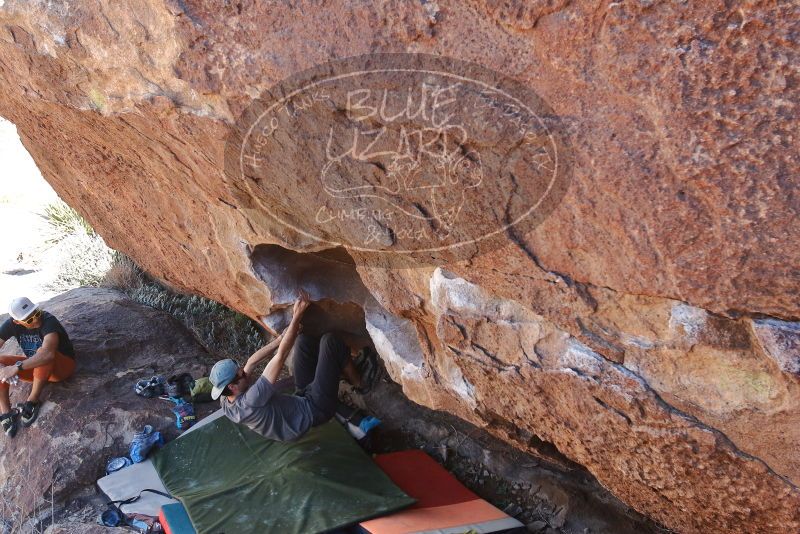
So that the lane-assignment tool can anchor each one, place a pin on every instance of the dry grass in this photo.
(124, 274)
(65, 221)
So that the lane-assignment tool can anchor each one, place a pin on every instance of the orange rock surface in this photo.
(647, 328)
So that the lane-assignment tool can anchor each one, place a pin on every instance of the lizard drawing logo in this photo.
(426, 173)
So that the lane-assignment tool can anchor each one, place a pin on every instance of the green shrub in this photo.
(222, 330)
(65, 221)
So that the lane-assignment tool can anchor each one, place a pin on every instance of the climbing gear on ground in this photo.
(9, 423)
(131, 500)
(115, 464)
(144, 524)
(368, 367)
(28, 411)
(184, 414)
(142, 442)
(188, 382)
(201, 392)
(179, 385)
(173, 389)
(150, 388)
(113, 516)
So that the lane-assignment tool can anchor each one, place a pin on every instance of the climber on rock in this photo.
(48, 356)
(317, 365)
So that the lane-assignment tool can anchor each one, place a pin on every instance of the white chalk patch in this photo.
(460, 385)
(637, 341)
(451, 294)
(580, 357)
(396, 341)
(780, 340)
(692, 320)
(431, 8)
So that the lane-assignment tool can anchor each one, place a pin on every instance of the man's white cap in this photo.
(21, 308)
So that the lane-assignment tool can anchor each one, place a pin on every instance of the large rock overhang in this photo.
(646, 327)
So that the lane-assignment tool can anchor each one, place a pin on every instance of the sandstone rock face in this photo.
(91, 417)
(647, 327)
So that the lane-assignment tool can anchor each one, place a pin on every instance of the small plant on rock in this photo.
(123, 274)
(65, 221)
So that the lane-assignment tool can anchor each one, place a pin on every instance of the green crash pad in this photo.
(231, 479)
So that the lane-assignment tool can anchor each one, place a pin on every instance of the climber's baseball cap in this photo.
(222, 374)
(21, 308)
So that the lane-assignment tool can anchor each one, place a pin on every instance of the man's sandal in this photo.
(28, 411)
(9, 423)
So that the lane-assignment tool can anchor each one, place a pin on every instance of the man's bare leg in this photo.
(36, 390)
(351, 374)
(5, 401)
(355, 343)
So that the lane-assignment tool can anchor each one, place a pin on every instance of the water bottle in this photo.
(139, 526)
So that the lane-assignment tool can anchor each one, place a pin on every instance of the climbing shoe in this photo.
(9, 423)
(368, 367)
(150, 388)
(357, 422)
(28, 411)
(143, 442)
(179, 385)
(173, 388)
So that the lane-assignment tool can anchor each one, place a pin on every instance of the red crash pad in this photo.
(443, 504)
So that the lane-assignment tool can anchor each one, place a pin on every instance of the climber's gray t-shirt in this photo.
(273, 415)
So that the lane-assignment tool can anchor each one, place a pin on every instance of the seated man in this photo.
(48, 357)
(317, 365)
